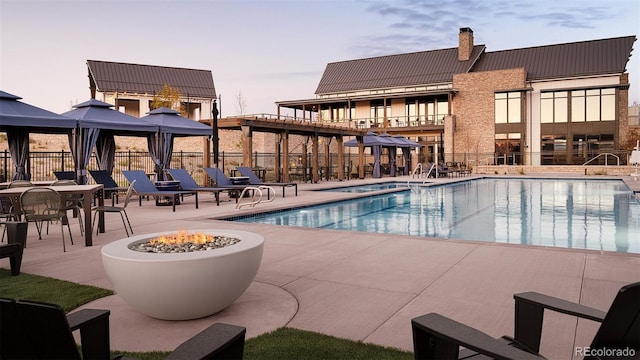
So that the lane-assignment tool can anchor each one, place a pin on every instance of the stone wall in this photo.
(556, 169)
(474, 130)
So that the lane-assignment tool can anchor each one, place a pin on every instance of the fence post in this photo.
(129, 160)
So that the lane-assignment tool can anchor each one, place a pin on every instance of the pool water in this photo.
(578, 214)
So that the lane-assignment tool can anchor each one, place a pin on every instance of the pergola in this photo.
(282, 129)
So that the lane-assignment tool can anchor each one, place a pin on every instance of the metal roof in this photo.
(595, 57)
(412, 69)
(149, 79)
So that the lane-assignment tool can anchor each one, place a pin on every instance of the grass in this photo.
(283, 343)
(39, 288)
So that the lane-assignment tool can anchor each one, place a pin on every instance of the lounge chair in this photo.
(36, 330)
(187, 183)
(255, 180)
(65, 175)
(438, 337)
(144, 187)
(221, 180)
(111, 188)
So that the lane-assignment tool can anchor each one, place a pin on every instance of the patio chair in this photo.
(255, 180)
(36, 330)
(73, 202)
(187, 183)
(42, 204)
(12, 251)
(144, 187)
(111, 188)
(116, 209)
(438, 337)
(65, 175)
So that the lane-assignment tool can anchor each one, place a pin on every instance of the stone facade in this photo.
(473, 131)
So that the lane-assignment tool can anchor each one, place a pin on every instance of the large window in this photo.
(508, 108)
(586, 105)
(593, 105)
(554, 107)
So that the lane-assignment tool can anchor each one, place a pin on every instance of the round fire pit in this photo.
(186, 285)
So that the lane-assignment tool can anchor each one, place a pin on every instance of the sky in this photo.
(265, 51)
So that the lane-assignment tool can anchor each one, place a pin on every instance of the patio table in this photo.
(87, 192)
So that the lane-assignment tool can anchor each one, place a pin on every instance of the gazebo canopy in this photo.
(95, 114)
(371, 139)
(14, 113)
(170, 122)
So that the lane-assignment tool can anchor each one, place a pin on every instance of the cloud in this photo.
(415, 25)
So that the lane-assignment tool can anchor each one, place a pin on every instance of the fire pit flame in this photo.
(183, 241)
(182, 237)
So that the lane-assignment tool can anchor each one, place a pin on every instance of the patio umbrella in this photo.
(98, 123)
(170, 125)
(18, 120)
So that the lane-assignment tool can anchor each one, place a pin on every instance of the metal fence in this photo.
(44, 163)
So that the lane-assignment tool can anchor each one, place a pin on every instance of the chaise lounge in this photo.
(187, 183)
(438, 337)
(255, 180)
(144, 187)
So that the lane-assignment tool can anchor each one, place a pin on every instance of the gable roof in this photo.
(149, 79)
(418, 68)
(595, 57)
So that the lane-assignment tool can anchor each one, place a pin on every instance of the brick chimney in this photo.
(465, 47)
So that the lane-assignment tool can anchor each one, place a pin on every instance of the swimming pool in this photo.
(578, 214)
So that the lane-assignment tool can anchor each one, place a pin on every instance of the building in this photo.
(131, 87)
(554, 104)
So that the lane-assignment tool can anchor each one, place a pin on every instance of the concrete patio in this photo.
(355, 285)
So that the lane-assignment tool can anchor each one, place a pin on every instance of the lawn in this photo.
(283, 343)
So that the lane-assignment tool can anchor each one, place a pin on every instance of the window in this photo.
(554, 107)
(377, 113)
(593, 105)
(508, 108)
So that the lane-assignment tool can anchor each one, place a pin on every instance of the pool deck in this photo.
(355, 285)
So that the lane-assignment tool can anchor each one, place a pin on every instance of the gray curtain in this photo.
(391, 152)
(160, 149)
(18, 140)
(376, 160)
(106, 151)
(406, 153)
(81, 147)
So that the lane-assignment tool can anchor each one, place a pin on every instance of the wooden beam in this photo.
(340, 144)
(314, 158)
(247, 146)
(285, 156)
(360, 140)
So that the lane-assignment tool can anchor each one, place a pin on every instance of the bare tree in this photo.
(241, 104)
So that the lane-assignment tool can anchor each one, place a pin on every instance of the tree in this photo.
(168, 97)
(241, 104)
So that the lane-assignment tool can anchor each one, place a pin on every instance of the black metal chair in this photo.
(438, 337)
(41, 204)
(36, 330)
(73, 202)
(116, 209)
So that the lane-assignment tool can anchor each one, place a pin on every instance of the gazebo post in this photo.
(340, 143)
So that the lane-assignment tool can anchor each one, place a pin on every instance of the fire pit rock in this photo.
(183, 286)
